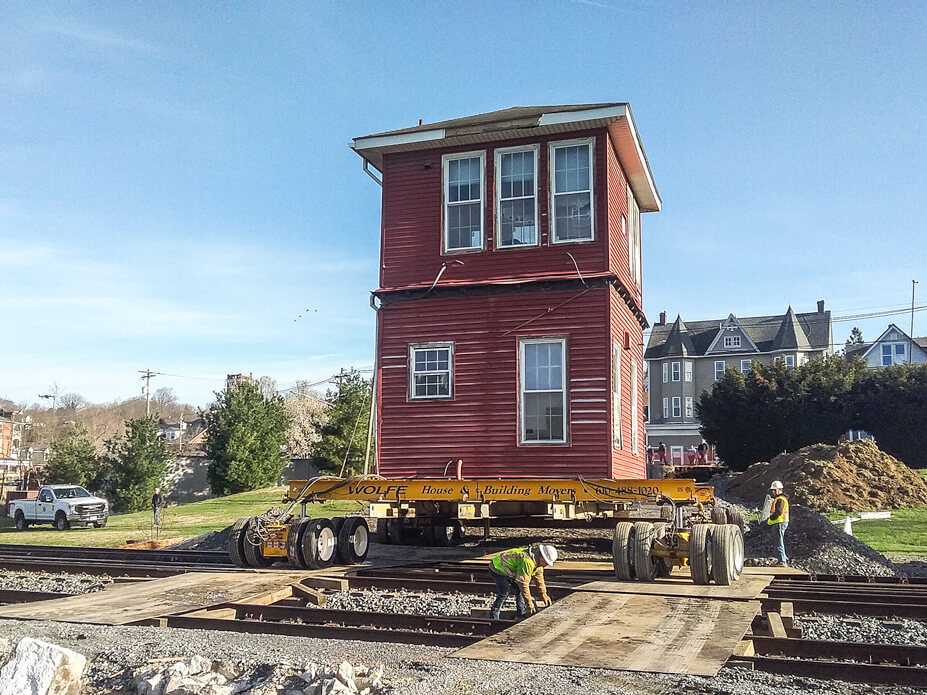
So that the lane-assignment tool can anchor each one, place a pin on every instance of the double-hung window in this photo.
(665, 408)
(745, 366)
(543, 390)
(719, 369)
(665, 372)
(677, 406)
(431, 370)
(893, 353)
(688, 370)
(616, 395)
(463, 201)
(675, 371)
(571, 181)
(790, 361)
(688, 406)
(516, 197)
(732, 341)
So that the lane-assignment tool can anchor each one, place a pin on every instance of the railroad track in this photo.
(112, 561)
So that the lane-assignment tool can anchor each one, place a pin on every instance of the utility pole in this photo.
(911, 334)
(146, 374)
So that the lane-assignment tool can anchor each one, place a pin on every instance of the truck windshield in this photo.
(71, 492)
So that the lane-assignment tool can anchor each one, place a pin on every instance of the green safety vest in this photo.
(783, 518)
(515, 564)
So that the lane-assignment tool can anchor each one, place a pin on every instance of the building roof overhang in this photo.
(525, 122)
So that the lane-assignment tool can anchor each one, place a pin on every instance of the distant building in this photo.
(892, 347)
(685, 359)
(235, 379)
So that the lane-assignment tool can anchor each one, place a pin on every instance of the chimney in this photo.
(662, 319)
(820, 306)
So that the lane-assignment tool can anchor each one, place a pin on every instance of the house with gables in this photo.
(509, 308)
(686, 358)
(894, 346)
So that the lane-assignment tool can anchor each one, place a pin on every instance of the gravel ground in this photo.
(862, 629)
(407, 602)
(410, 670)
(23, 580)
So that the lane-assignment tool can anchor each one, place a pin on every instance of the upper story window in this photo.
(688, 370)
(463, 201)
(665, 372)
(543, 390)
(616, 395)
(676, 372)
(431, 369)
(745, 366)
(516, 197)
(677, 406)
(893, 353)
(719, 369)
(634, 239)
(571, 191)
(732, 341)
(790, 361)
(635, 430)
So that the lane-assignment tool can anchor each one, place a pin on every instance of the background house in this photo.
(892, 347)
(685, 359)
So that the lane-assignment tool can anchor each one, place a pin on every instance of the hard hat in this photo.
(776, 485)
(548, 554)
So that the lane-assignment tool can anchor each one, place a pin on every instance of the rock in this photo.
(40, 668)
(346, 674)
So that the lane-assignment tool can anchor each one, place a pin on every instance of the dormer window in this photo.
(732, 341)
(516, 197)
(463, 201)
(571, 187)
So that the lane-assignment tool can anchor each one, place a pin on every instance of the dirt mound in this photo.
(852, 475)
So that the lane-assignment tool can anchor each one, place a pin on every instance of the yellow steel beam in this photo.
(373, 489)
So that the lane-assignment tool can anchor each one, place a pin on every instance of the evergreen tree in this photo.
(856, 337)
(74, 460)
(891, 404)
(246, 433)
(135, 465)
(344, 433)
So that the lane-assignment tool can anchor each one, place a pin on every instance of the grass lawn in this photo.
(181, 521)
(904, 534)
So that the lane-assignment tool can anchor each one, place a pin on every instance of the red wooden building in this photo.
(510, 319)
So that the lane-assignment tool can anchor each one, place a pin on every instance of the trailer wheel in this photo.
(644, 563)
(319, 542)
(353, 540)
(382, 532)
(718, 515)
(459, 532)
(237, 541)
(294, 543)
(736, 517)
(254, 553)
(723, 551)
(394, 531)
(21, 523)
(738, 537)
(700, 555)
(441, 534)
(621, 555)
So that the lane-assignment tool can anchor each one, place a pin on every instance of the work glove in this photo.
(531, 608)
(546, 599)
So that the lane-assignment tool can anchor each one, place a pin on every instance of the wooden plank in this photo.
(744, 648)
(313, 596)
(129, 603)
(336, 583)
(746, 588)
(787, 613)
(632, 632)
(776, 628)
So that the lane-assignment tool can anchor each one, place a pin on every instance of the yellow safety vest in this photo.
(783, 518)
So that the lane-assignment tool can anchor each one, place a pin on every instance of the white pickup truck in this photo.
(61, 505)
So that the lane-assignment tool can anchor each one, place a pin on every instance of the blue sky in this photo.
(176, 187)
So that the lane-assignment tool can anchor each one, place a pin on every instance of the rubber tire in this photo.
(100, 524)
(442, 534)
(738, 535)
(719, 515)
(459, 533)
(353, 541)
(294, 544)
(700, 543)
(621, 555)
(254, 554)
(237, 541)
(736, 517)
(382, 532)
(20, 521)
(645, 569)
(319, 532)
(723, 548)
(394, 531)
(61, 522)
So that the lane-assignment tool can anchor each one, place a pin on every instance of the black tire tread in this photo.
(344, 550)
(644, 569)
(722, 554)
(236, 541)
(699, 560)
(621, 557)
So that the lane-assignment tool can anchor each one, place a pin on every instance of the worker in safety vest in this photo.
(512, 571)
(779, 517)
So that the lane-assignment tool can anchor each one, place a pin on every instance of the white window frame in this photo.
(790, 361)
(616, 396)
(521, 390)
(665, 407)
(446, 204)
(497, 159)
(689, 407)
(893, 354)
(677, 371)
(634, 238)
(745, 366)
(591, 144)
(443, 345)
(688, 367)
(635, 413)
(665, 372)
(723, 369)
(732, 341)
(677, 406)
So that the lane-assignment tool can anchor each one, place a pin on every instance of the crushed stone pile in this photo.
(211, 540)
(406, 602)
(816, 545)
(852, 476)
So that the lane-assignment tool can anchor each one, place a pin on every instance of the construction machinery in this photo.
(657, 524)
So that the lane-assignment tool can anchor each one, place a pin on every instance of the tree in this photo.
(164, 398)
(856, 337)
(246, 433)
(71, 401)
(891, 404)
(344, 434)
(307, 413)
(135, 465)
(74, 460)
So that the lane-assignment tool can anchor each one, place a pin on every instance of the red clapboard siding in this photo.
(480, 424)
(626, 464)
(413, 217)
(618, 240)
